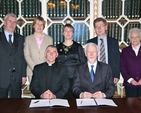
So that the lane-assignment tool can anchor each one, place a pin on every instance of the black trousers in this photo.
(69, 93)
(14, 89)
(132, 92)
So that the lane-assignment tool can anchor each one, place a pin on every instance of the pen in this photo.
(81, 101)
(36, 101)
(49, 102)
(95, 102)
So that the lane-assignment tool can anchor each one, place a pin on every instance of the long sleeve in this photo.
(58, 85)
(27, 53)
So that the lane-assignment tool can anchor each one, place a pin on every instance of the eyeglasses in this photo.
(10, 21)
(135, 37)
(68, 30)
(100, 26)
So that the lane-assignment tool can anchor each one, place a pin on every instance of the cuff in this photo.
(129, 80)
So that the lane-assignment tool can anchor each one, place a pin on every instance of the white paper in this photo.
(59, 102)
(48, 103)
(94, 102)
(39, 103)
(85, 102)
(108, 102)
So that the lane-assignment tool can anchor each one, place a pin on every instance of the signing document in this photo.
(49, 103)
(95, 102)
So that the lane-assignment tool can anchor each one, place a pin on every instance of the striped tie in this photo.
(102, 52)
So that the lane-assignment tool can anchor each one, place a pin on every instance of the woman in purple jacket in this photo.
(130, 64)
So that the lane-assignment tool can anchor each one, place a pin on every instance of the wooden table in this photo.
(125, 105)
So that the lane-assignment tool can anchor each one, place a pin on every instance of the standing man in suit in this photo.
(50, 79)
(12, 62)
(112, 53)
(99, 84)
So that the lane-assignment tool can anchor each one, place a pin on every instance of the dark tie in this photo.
(92, 73)
(10, 41)
(102, 52)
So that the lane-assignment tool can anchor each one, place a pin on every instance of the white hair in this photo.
(91, 44)
(134, 30)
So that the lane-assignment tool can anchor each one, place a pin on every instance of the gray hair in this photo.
(134, 30)
(10, 15)
(52, 46)
(91, 44)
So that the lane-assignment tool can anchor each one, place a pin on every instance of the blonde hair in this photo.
(40, 19)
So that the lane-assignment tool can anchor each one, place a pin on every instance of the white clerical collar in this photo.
(50, 64)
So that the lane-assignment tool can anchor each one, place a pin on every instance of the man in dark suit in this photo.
(111, 46)
(97, 85)
(50, 79)
(12, 62)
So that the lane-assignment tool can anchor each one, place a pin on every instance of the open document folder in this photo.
(49, 103)
(94, 102)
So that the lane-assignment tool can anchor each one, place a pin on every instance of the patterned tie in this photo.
(10, 41)
(92, 73)
(102, 52)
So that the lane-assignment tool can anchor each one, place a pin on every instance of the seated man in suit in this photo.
(95, 82)
(50, 79)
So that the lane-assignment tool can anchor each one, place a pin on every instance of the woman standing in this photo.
(35, 45)
(70, 54)
(130, 64)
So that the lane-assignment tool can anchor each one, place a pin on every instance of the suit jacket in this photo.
(113, 54)
(34, 55)
(59, 84)
(6, 62)
(130, 65)
(103, 80)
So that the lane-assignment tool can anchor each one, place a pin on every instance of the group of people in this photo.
(67, 70)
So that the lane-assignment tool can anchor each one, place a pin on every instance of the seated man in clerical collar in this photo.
(50, 79)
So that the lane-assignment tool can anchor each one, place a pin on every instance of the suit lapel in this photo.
(98, 73)
(96, 40)
(16, 41)
(110, 49)
(87, 73)
(54, 74)
(34, 42)
(139, 53)
(132, 52)
(4, 41)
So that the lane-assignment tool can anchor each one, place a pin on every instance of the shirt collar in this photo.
(7, 35)
(95, 65)
(137, 47)
(50, 64)
(104, 39)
